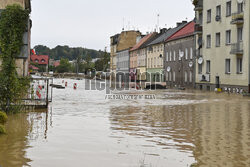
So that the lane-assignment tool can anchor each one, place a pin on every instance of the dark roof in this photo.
(164, 36)
(153, 37)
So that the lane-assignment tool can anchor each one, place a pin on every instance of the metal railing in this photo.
(199, 5)
(198, 28)
(237, 48)
(237, 18)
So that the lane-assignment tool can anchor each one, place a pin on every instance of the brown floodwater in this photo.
(177, 129)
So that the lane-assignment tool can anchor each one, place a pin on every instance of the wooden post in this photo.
(47, 95)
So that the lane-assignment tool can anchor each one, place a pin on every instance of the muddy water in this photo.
(177, 129)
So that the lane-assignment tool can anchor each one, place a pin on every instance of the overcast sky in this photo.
(90, 23)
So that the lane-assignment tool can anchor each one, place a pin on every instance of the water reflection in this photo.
(217, 134)
(21, 129)
(176, 130)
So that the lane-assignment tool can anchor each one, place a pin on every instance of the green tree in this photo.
(13, 24)
(64, 66)
(103, 63)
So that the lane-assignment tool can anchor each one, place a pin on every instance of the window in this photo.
(208, 41)
(191, 53)
(217, 39)
(208, 67)
(229, 8)
(179, 55)
(174, 76)
(186, 76)
(167, 56)
(186, 53)
(240, 34)
(239, 65)
(228, 63)
(191, 76)
(200, 68)
(166, 76)
(228, 37)
(174, 56)
(170, 56)
(240, 7)
(218, 12)
(209, 12)
(170, 76)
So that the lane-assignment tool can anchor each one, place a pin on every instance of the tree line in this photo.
(66, 52)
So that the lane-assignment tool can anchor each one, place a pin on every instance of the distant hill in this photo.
(67, 52)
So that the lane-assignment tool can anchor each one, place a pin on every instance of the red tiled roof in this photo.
(185, 31)
(56, 63)
(142, 41)
(40, 59)
(33, 67)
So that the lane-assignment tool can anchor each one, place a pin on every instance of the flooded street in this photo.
(177, 129)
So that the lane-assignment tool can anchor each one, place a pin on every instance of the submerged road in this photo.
(175, 129)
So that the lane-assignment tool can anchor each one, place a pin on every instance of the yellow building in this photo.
(120, 42)
(22, 62)
(223, 59)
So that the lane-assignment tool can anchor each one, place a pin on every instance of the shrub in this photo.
(2, 129)
(3, 117)
(195, 2)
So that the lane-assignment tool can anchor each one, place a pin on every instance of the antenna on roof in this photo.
(123, 20)
(158, 22)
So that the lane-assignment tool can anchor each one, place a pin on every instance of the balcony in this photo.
(237, 48)
(198, 29)
(198, 5)
(237, 18)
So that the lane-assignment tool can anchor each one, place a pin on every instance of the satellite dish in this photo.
(191, 64)
(168, 69)
(181, 54)
(200, 60)
(240, 1)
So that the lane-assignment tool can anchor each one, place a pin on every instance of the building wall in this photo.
(127, 39)
(153, 56)
(22, 62)
(218, 55)
(113, 50)
(133, 59)
(4, 3)
(155, 62)
(122, 62)
(181, 74)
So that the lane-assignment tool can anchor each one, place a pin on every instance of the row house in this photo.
(22, 60)
(156, 54)
(222, 43)
(122, 65)
(39, 62)
(155, 51)
(113, 48)
(121, 42)
(180, 58)
(138, 58)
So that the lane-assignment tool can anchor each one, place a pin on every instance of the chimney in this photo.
(178, 24)
(163, 30)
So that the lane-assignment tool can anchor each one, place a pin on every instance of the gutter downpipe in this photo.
(248, 48)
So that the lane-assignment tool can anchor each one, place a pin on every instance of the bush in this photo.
(3, 117)
(2, 129)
